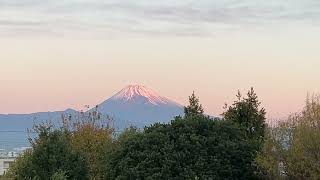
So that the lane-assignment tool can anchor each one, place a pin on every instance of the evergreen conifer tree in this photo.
(194, 108)
(246, 112)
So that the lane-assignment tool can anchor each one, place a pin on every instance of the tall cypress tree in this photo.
(194, 108)
(246, 112)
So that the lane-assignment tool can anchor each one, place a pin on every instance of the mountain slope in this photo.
(133, 106)
(14, 127)
(139, 106)
(22, 122)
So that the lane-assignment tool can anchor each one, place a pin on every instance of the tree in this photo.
(51, 154)
(293, 148)
(194, 108)
(194, 147)
(85, 136)
(20, 168)
(91, 141)
(302, 157)
(91, 136)
(110, 156)
(270, 158)
(246, 113)
(60, 175)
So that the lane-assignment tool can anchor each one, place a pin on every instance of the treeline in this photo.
(292, 149)
(195, 146)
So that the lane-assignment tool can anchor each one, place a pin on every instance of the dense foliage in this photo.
(246, 112)
(72, 152)
(91, 137)
(270, 157)
(238, 146)
(188, 148)
(292, 149)
(194, 108)
(51, 154)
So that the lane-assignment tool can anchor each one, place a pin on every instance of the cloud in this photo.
(145, 17)
(20, 23)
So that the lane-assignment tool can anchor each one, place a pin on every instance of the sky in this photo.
(67, 54)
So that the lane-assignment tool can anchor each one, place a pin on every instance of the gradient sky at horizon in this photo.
(61, 54)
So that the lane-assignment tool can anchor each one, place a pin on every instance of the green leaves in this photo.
(194, 108)
(292, 150)
(247, 114)
(188, 148)
(51, 154)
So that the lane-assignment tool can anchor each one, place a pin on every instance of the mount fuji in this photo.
(139, 106)
(135, 105)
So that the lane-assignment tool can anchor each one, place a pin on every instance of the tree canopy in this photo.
(51, 154)
(246, 112)
(194, 146)
(194, 108)
(189, 148)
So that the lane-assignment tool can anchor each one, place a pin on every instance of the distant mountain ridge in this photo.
(135, 105)
(22, 122)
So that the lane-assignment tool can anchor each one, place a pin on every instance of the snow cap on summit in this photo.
(132, 91)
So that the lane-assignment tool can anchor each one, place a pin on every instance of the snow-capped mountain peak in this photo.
(139, 106)
(133, 91)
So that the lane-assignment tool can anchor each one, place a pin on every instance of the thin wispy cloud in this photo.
(145, 17)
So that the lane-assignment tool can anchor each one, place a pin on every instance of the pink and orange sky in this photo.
(66, 55)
